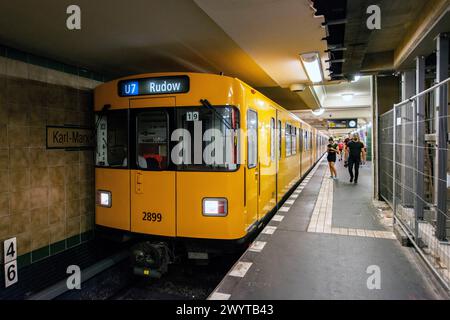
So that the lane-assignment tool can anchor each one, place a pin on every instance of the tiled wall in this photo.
(46, 196)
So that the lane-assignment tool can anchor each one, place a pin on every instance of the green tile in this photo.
(70, 69)
(57, 247)
(73, 241)
(24, 260)
(52, 64)
(16, 54)
(86, 236)
(39, 61)
(97, 77)
(49, 63)
(40, 254)
(85, 73)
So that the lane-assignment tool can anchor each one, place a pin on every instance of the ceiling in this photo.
(119, 38)
(273, 33)
(336, 107)
(363, 115)
(361, 90)
(370, 51)
(258, 41)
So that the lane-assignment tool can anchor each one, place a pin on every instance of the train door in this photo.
(152, 189)
(300, 149)
(252, 175)
(112, 178)
(267, 160)
(279, 153)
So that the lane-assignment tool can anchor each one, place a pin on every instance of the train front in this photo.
(167, 164)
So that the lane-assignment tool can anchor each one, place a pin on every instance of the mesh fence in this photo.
(386, 134)
(412, 161)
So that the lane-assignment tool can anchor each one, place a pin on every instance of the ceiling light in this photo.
(356, 77)
(312, 66)
(297, 87)
(347, 96)
(318, 112)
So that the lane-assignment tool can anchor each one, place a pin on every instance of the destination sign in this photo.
(152, 86)
(342, 123)
(69, 137)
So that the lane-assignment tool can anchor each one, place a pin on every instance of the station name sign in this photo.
(152, 86)
(342, 123)
(69, 137)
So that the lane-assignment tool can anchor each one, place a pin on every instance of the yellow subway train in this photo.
(193, 163)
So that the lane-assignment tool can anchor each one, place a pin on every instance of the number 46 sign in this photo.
(10, 260)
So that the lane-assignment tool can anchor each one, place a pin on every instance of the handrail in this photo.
(421, 93)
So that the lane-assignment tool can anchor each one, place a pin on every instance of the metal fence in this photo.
(413, 162)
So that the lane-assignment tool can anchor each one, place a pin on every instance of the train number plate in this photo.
(152, 216)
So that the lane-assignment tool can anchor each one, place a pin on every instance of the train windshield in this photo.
(112, 139)
(182, 139)
(213, 133)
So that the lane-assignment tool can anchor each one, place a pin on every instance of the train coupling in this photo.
(151, 259)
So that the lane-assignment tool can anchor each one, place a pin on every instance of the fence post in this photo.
(442, 74)
(394, 159)
(419, 140)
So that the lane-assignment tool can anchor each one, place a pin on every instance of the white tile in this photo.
(390, 235)
(284, 209)
(277, 217)
(219, 296)
(269, 230)
(335, 230)
(257, 246)
(240, 269)
(289, 202)
(294, 196)
(370, 233)
(360, 232)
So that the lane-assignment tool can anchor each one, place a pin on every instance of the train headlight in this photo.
(104, 198)
(215, 207)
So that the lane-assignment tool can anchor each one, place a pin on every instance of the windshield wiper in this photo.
(208, 105)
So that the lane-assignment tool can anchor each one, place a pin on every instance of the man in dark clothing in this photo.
(354, 150)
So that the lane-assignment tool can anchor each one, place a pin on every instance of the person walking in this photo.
(341, 149)
(332, 149)
(353, 151)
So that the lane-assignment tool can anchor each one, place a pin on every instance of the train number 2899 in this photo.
(152, 216)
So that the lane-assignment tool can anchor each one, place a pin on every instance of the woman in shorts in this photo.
(332, 149)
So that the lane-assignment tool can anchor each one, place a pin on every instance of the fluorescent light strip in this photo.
(311, 64)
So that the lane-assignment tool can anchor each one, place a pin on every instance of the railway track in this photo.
(183, 281)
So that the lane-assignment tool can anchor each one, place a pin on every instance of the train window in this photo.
(272, 139)
(301, 141)
(112, 139)
(152, 140)
(294, 140)
(306, 140)
(218, 129)
(279, 139)
(287, 134)
(252, 138)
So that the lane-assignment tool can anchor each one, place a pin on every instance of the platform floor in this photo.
(326, 242)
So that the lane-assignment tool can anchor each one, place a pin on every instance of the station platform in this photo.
(327, 242)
